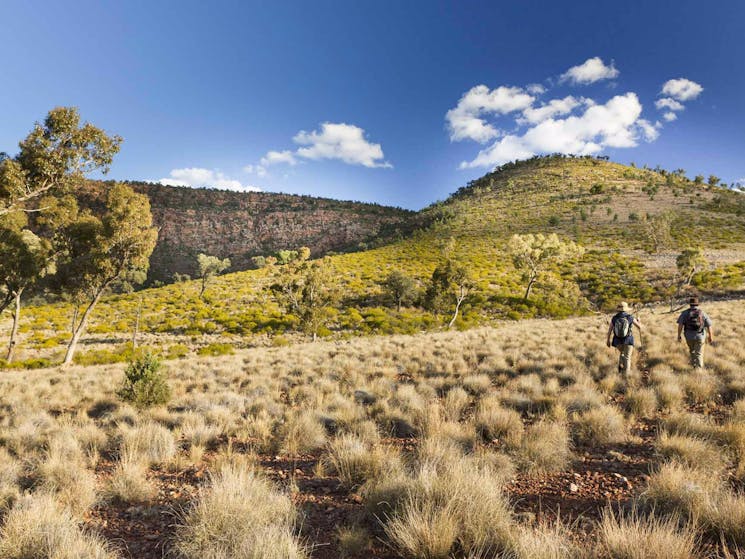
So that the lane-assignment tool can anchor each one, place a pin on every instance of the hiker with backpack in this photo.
(696, 325)
(621, 336)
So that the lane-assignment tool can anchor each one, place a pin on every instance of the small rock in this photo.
(573, 487)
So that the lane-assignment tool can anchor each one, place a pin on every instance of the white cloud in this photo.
(277, 157)
(466, 122)
(555, 107)
(590, 71)
(682, 89)
(536, 89)
(670, 116)
(615, 124)
(670, 104)
(344, 142)
(198, 177)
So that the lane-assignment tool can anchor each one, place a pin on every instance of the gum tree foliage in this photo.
(534, 253)
(307, 290)
(449, 286)
(400, 288)
(689, 262)
(26, 259)
(97, 252)
(209, 267)
(53, 158)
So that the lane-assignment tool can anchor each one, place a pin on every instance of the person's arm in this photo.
(637, 323)
(680, 332)
(610, 334)
(709, 334)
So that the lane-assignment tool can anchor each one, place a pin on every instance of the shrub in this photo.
(216, 349)
(144, 384)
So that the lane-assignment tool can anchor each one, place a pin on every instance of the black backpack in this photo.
(694, 322)
(622, 325)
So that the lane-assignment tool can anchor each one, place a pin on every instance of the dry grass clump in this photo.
(602, 425)
(355, 462)
(701, 387)
(129, 483)
(641, 402)
(636, 537)
(545, 447)
(455, 403)
(679, 489)
(242, 515)
(37, 527)
(690, 451)
(10, 471)
(150, 442)
(302, 433)
(496, 422)
(546, 541)
(63, 471)
(459, 507)
(353, 540)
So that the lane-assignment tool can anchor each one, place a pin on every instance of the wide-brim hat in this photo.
(622, 306)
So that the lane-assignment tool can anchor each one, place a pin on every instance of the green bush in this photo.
(144, 383)
(216, 349)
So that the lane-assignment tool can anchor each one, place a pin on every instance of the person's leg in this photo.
(696, 349)
(624, 359)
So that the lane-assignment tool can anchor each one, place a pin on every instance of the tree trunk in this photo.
(80, 328)
(14, 329)
(459, 300)
(530, 286)
(398, 305)
(204, 286)
(137, 325)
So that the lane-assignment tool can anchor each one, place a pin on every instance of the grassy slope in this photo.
(547, 195)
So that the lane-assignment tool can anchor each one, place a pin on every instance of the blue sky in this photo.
(397, 102)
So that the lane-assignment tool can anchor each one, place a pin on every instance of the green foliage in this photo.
(144, 384)
(400, 288)
(210, 266)
(216, 349)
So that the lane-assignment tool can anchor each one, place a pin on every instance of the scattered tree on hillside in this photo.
(534, 253)
(306, 290)
(25, 260)
(657, 231)
(450, 285)
(209, 267)
(53, 158)
(401, 288)
(714, 180)
(689, 262)
(99, 251)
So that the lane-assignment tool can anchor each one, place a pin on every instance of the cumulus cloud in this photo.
(466, 121)
(614, 124)
(344, 142)
(555, 107)
(670, 104)
(277, 157)
(682, 89)
(518, 123)
(339, 141)
(198, 177)
(590, 71)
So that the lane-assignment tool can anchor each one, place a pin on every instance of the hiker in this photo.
(697, 327)
(621, 336)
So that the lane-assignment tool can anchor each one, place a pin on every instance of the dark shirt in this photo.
(694, 334)
(628, 340)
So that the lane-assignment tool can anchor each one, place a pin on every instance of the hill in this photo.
(240, 225)
(604, 206)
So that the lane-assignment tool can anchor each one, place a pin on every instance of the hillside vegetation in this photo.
(631, 224)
